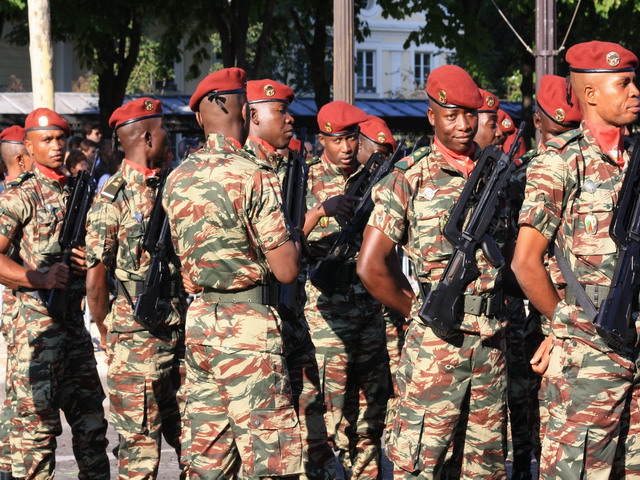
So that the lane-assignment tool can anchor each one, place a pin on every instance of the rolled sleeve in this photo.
(12, 214)
(390, 200)
(544, 192)
(102, 232)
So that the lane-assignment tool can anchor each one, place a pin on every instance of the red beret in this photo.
(451, 87)
(376, 130)
(505, 122)
(552, 101)
(227, 81)
(599, 57)
(134, 111)
(14, 134)
(490, 103)
(266, 90)
(46, 119)
(339, 118)
(295, 144)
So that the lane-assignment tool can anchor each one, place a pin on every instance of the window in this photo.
(365, 72)
(421, 68)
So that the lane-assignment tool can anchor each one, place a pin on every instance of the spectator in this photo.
(89, 148)
(75, 162)
(91, 131)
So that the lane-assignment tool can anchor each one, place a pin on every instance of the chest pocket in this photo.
(48, 223)
(431, 217)
(592, 214)
(131, 250)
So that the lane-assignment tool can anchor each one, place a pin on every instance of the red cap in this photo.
(490, 103)
(600, 57)
(266, 90)
(14, 134)
(339, 118)
(505, 122)
(227, 81)
(552, 101)
(134, 111)
(46, 119)
(295, 144)
(376, 130)
(451, 87)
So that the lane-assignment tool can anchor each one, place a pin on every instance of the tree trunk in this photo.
(41, 54)
(526, 87)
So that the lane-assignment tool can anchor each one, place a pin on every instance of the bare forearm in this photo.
(311, 219)
(97, 294)
(538, 288)
(13, 275)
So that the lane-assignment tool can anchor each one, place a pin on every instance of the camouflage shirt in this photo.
(571, 191)
(265, 153)
(115, 233)
(412, 206)
(225, 213)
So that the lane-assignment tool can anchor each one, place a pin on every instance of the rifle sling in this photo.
(574, 285)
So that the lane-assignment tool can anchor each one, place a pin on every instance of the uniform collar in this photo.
(52, 174)
(609, 140)
(144, 171)
(335, 169)
(220, 142)
(462, 162)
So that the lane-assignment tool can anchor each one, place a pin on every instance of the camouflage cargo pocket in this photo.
(127, 394)
(593, 213)
(404, 441)
(277, 442)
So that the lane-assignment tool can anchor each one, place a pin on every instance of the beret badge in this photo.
(491, 101)
(269, 91)
(506, 123)
(442, 96)
(43, 121)
(148, 105)
(613, 59)
(327, 127)
(560, 115)
(382, 137)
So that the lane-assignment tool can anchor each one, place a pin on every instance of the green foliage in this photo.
(149, 70)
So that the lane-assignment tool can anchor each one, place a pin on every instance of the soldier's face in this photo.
(615, 98)
(547, 127)
(368, 148)
(271, 122)
(159, 145)
(454, 127)
(487, 129)
(46, 147)
(341, 151)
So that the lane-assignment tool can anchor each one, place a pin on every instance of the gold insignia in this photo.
(327, 127)
(491, 101)
(442, 96)
(560, 115)
(506, 123)
(269, 91)
(43, 121)
(382, 137)
(148, 105)
(613, 59)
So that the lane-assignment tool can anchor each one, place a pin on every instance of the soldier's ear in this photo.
(591, 94)
(28, 144)
(321, 139)
(431, 116)
(147, 139)
(199, 119)
(254, 116)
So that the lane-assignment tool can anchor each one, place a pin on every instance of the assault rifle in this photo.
(157, 242)
(443, 305)
(294, 190)
(613, 317)
(323, 273)
(72, 235)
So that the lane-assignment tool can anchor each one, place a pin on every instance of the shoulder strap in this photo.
(111, 189)
(19, 180)
(313, 161)
(563, 140)
(572, 282)
(415, 157)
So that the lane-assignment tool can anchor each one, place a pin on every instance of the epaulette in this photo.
(415, 157)
(527, 157)
(313, 161)
(19, 180)
(564, 139)
(111, 189)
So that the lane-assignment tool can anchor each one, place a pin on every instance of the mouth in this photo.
(635, 108)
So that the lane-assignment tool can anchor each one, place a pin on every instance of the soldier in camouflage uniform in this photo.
(450, 419)
(271, 129)
(488, 131)
(56, 365)
(592, 389)
(347, 327)
(15, 162)
(143, 375)
(230, 233)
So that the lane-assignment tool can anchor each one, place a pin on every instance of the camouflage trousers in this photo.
(395, 325)
(593, 403)
(143, 380)
(451, 416)
(57, 371)
(239, 401)
(300, 355)
(348, 333)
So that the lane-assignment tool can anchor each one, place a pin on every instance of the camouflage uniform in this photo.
(347, 330)
(143, 375)
(10, 458)
(452, 391)
(56, 365)
(225, 212)
(592, 391)
(300, 355)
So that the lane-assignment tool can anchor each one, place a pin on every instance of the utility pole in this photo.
(343, 74)
(41, 53)
(545, 39)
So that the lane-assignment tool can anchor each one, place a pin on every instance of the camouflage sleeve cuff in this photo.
(389, 209)
(9, 220)
(265, 212)
(101, 238)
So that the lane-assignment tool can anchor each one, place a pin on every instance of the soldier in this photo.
(375, 137)
(230, 233)
(270, 131)
(143, 373)
(15, 161)
(452, 390)
(488, 132)
(592, 389)
(56, 366)
(347, 328)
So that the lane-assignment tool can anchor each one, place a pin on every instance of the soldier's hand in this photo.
(190, 287)
(540, 360)
(338, 205)
(79, 261)
(57, 276)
